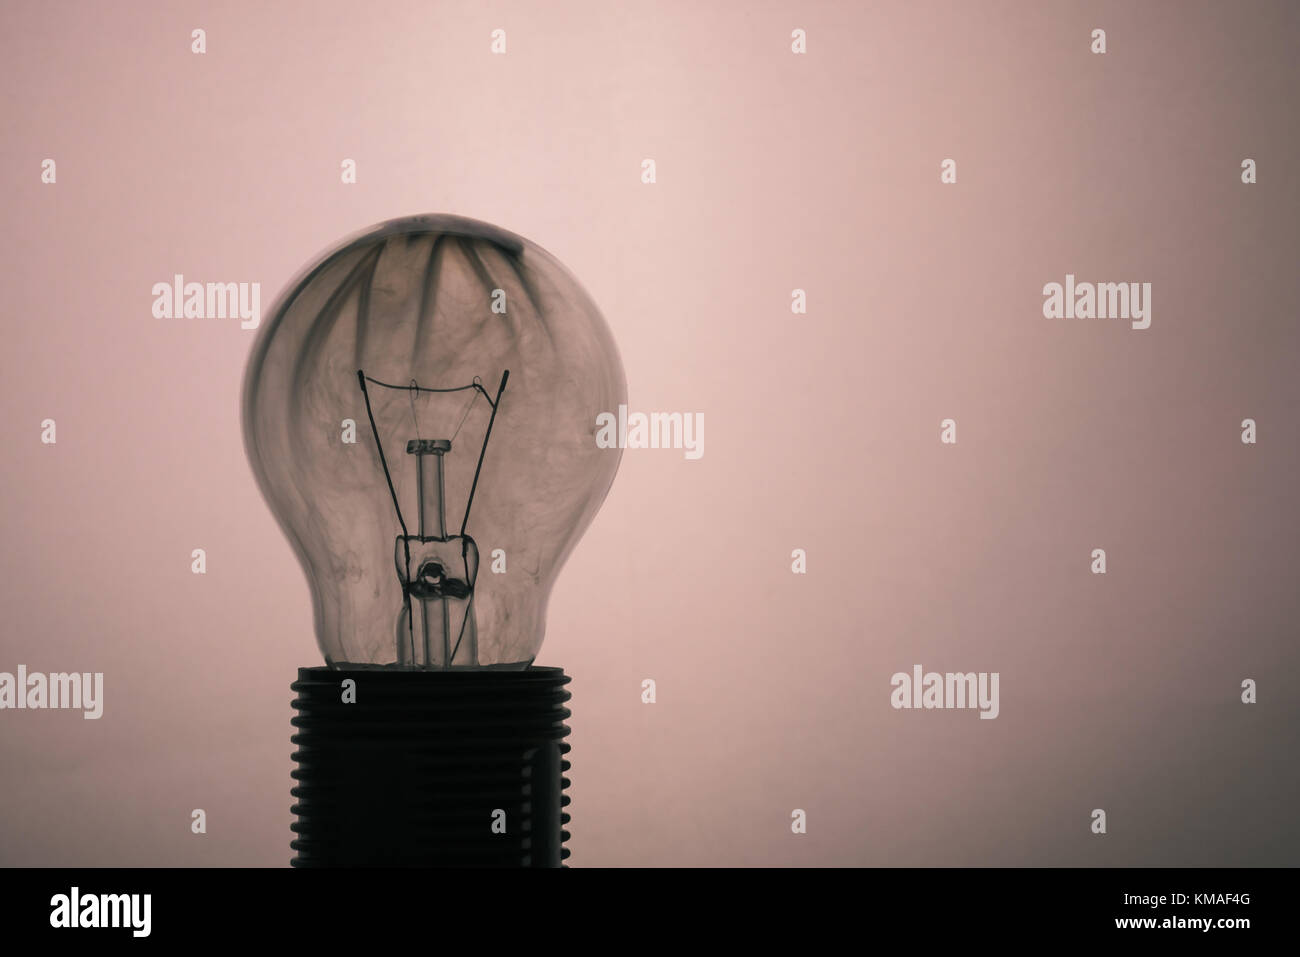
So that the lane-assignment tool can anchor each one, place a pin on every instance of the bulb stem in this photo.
(432, 510)
(429, 483)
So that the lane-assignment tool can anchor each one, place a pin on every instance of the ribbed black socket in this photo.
(430, 769)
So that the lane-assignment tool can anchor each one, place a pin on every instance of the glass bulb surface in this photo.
(420, 411)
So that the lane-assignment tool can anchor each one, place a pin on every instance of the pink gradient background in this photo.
(775, 171)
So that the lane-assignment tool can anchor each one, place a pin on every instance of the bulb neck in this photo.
(432, 504)
(430, 769)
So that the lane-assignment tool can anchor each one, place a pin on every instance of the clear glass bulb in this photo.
(420, 411)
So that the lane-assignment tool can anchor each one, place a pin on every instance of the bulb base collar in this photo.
(430, 769)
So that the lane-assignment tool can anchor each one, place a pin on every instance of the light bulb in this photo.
(420, 411)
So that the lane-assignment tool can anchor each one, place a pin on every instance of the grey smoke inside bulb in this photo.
(407, 308)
